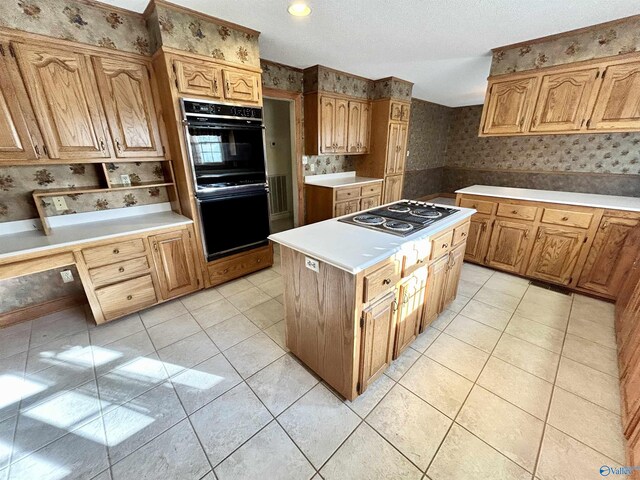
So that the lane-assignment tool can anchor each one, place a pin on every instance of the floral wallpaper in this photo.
(319, 78)
(185, 31)
(617, 153)
(37, 288)
(604, 40)
(428, 129)
(391, 88)
(329, 164)
(78, 21)
(139, 172)
(283, 77)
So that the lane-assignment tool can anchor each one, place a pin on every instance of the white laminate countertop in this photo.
(335, 180)
(33, 241)
(631, 204)
(354, 248)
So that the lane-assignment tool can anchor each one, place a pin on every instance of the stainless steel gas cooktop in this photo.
(401, 218)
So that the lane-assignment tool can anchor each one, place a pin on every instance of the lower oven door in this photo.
(234, 222)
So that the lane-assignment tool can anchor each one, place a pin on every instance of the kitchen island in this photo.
(355, 298)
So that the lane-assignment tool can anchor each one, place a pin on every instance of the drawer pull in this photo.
(386, 281)
(116, 251)
(129, 297)
(445, 245)
(564, 219)
(515, 212)
(463, 234)
(121, 269)
(395, 306)
(258, 260)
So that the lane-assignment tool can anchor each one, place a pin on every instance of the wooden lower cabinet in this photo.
(392, 188)
(555, 253)
(174, 261)
(454, 269)
(436, 281)
(324, 202)
(508, 245)
(126, 297)
(478, 238)
(410, 306)
(345, 208)
(235, 266)
(378, 334)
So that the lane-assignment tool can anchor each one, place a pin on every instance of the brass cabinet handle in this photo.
(386, 281)
(121, 269)
(604, 225)
(116, 251)
(394, 306)
(37, 150)
(445, 245)
(118, 145)
(564, 219)
(463, 234)
(215, 85)
(129, 297)
(515, 212)
(228, 87)
(258, 260)
(102, 144)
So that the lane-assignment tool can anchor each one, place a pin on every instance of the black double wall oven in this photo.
(227, 152)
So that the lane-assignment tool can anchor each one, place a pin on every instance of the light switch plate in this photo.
(67, 276)
(126, 181)
(312, 264)
(59, 203)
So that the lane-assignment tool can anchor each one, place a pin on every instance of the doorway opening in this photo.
(281, 141)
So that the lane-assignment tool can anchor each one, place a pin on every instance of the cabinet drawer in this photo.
(380, 281)
(239, 265)
(372, 189)
(126, 297)
(441, 244)
(114, 252)
(347, 193)
(566, 217)
(415, 258)
(481, 206)
(517, 211)
(101, 276)
(461, 233)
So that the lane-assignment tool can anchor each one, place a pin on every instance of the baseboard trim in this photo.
(34, 311)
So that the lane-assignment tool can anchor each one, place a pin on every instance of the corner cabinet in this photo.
(336, 124)
(595, 96)
(174, 261)
(577, 247)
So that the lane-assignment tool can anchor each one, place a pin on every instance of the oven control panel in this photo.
(198, 107)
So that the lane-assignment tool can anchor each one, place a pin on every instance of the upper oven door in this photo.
(226, 148)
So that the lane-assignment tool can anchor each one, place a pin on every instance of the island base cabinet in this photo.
(454, 269)
(411, 300)
(378, 328)
(436, 280)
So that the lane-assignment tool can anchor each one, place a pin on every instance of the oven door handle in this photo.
(229, 196)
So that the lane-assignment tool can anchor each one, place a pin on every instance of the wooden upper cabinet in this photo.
(64, 95)
(364, 128)
(478, 238)
(174, 261)
(392, 148)
(605, 268)
(127, 97)
(241, 86)
(353, 139)
(509, 106)
(376, 350)
(327, 124)
(405, 113)
(563, 101)
(509, 244)
(401, 148)
(16, 140)
(341, 126)
(200, 79)
(555, 253)
(618, 104)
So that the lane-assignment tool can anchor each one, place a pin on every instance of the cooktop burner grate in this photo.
(368, 219)
(397, 226)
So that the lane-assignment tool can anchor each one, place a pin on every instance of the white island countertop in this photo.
(335, 180)
(32, 241)
(354, 248)
(631, 204)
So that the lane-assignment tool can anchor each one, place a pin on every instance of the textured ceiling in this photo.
(443, 46)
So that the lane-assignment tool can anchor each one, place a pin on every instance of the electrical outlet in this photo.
(59, 203)
(312, 264)
(312, 167)
(125, 180)
(67, 276)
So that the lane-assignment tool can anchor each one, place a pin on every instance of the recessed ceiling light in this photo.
(299, 9)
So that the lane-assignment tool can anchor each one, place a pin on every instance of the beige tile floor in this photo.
(511, 382)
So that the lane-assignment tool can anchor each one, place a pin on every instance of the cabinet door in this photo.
(630, 383)
(16, 142)
(341, 126)
(477, 239)
(563, 101)
(327, 124)
(392, 188)
(435, 287)
(628, 298)
(364, 128)
(618, 102)
(369, 202)
(509, 106)
(241, 86)
(128, 102)
(376, 344)
(401, 148)
(555, 253)
(345, 208)
(409, 317)
(197, 79)
(456, 258)
(173, 258)
(64, 94)
(605, 268)
(404, 116)
(353, 133)
(392, 148)
(396, 111)
(508, 245)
